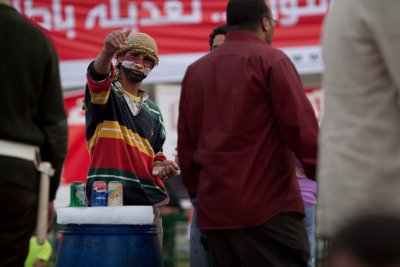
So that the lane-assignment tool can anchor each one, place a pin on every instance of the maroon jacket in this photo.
(242, 113)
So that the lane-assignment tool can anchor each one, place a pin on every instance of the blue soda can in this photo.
(99, 194)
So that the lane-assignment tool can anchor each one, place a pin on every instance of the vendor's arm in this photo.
(166, 168)
(100, 73)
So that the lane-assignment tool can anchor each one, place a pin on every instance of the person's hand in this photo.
(115, 40)
(168, 168)
(50, 214)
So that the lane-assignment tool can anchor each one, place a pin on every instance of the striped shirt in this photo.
(123, 146)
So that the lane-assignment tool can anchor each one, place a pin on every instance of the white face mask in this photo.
(135, 67)
(137, 64)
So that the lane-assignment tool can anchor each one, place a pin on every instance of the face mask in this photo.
(136, 69)
(131, 76)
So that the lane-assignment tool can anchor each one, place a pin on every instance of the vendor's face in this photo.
(136, 66)
(141, 59)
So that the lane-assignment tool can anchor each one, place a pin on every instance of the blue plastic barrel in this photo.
(94, 245)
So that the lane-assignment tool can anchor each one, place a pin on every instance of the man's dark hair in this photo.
(218, 30)
(373, 240)
(246, 14)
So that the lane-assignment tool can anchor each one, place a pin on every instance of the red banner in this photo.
(79, 27)
(77, 162)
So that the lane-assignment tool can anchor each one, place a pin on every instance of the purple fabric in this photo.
(308, 187)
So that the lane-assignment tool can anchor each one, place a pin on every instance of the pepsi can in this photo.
(99, 194)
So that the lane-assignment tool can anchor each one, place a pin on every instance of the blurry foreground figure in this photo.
(359, 164)
(33, 119)
(372, 241)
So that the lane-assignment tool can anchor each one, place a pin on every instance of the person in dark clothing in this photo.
(367, 241)
(34, 118)
(243, 117)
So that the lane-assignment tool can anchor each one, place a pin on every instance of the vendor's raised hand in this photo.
(115, 40)
(166, 168)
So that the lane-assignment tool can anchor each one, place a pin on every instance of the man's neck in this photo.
(260, 34)
(132, 88)
(257, 32)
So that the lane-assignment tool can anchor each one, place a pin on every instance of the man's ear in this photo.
(265, 24)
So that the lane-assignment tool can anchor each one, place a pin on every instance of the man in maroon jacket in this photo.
(243, 113)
